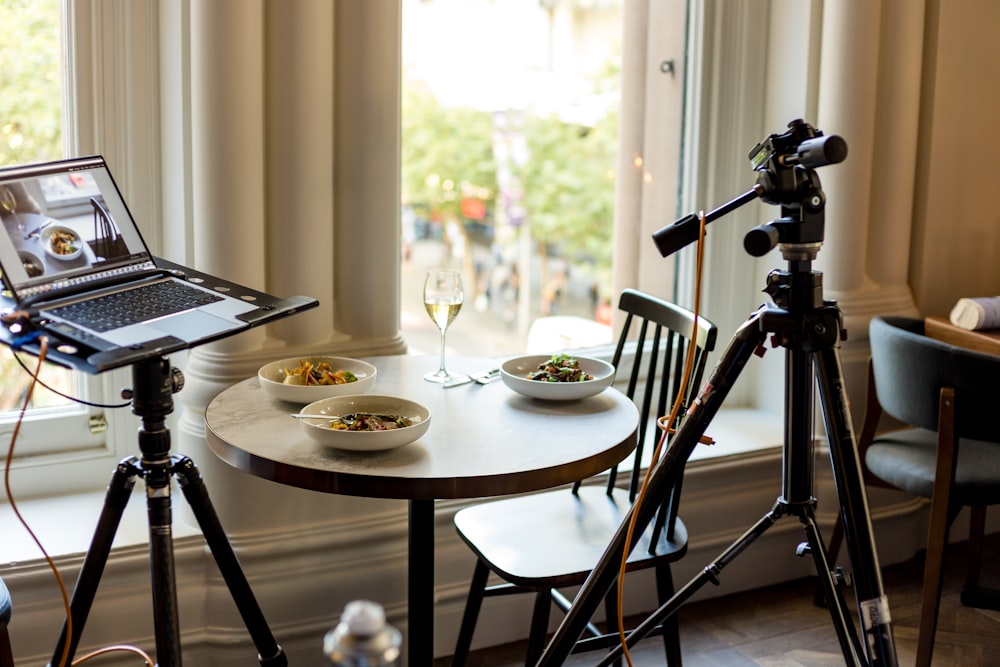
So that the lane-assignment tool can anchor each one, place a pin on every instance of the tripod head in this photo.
(154, 381)
(785, 165)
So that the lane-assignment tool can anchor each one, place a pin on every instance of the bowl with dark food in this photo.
(557, 377)
(308, 379)
(365, 423)
(32, 264)
(61, 242)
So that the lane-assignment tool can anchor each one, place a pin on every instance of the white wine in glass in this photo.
(9, 203)
(443, 297)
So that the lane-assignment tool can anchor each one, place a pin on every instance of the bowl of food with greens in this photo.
(557, 377)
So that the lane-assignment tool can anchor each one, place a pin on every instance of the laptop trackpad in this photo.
(192, 325)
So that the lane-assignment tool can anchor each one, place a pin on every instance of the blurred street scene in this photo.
(508, 159)
(488, 322)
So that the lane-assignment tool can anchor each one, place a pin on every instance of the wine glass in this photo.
(443, 298)
(9, 203)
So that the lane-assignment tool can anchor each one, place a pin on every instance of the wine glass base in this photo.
(444, 378)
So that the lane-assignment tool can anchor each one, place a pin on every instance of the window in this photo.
(63, 446)
(509, 153)
(698, 98)
(30, 119)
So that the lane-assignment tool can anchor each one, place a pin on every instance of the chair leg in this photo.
(940, 522)
(671, 627)
(472, 606)
(539, 626)
(6, 653)
(974, 595)
(933, 573)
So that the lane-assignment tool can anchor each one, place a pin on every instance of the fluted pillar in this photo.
(870, 94)
(366, 121)
(631, 147)
(293, 153)
(227, 156)
(300, 164)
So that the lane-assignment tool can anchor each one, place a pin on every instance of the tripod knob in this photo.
(176, 384)
(176, 379)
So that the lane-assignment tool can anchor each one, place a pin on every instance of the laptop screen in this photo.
(65, 223)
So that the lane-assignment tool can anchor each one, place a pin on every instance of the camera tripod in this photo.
(809, 328)
(154, 382)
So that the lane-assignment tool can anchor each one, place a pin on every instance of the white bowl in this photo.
(32, 264)
(271, 378)
(514, 374)
(365, 441)
(46, 236)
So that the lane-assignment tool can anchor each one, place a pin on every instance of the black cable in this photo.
(67, 396)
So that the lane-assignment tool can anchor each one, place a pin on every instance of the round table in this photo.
(34, 245)
(483, 440)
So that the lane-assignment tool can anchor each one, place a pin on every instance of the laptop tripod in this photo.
(154, 382)
(810, 329)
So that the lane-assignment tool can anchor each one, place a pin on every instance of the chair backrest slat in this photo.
(660, 344)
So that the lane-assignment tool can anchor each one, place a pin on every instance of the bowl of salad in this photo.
(365, 423)
(61, 243)
(557, 377)
(308, 379)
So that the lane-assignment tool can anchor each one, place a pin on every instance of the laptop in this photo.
(72, 255)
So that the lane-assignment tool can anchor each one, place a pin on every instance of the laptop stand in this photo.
(154, 381)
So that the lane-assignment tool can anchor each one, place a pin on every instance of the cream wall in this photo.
(956, 220)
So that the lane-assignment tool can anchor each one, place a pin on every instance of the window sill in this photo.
(739, 431)
(65, 525)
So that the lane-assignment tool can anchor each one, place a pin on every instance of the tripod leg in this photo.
(166, 618)
(873, 607)
(115, 500)
(662, 478)
(839, 613)
(708, 574)
(193, 487)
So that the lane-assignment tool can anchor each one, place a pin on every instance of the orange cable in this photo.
(44, 343)
(64, 660)
(666, 427)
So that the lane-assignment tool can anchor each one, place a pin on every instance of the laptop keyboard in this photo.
(135, 305)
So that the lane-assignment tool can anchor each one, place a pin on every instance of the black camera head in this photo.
(802, 145)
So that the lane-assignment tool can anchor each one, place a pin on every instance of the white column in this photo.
(894, 162)
(227, 154)
(294, 166)
(300, 164)
(631, 147)
(870, 95)
(366, 173)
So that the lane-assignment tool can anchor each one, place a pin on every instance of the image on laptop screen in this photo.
(65, 222)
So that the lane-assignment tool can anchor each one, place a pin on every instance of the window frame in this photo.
(75, 450)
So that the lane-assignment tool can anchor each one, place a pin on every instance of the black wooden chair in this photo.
(947, 396)
(6, 655)
(108, 242)
(542, 542)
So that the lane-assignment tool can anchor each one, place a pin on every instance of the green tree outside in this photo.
(567, 179)
(30, 81)
(30, 131)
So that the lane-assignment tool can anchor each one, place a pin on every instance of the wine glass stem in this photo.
(441, 369)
